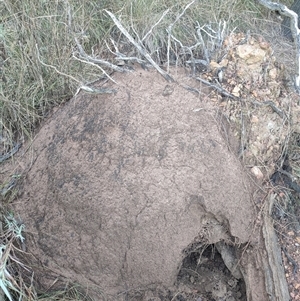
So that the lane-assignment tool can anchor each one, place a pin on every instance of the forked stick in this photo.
(139, 47)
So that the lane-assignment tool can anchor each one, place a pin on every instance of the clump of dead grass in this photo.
(69, 293)
(12, 270)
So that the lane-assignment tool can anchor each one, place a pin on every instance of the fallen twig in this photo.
(189, 51)
(218, 89)
(270, 103)
(191, 89)
(139, 47)
(95, 90)
(85, 59)
(291, 260)
(216, 36)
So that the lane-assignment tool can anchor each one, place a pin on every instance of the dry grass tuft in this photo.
(69, 293)
(14, 282)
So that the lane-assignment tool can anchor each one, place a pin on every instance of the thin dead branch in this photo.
(203, 44)
(216, 38)
(169, 31)
(95, 90)
(152, 27)
(218, 89)
(191, 89)
(243, 138)
(53, 67)
(84, 56)
(123, 57)
(282, 9)
(90, 60)
(189, 50)
(270, 103)
(139, 47)
(85, 59)
(82, 86)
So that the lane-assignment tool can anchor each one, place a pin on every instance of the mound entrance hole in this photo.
(205, 272)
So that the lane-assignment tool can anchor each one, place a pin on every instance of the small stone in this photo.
(168, 90)
(236, 91)
(238, 295)
(273, 73)
(232, 283)
(264, 45)
(120, 63)
(292, 295)
(224, 63)
(250, 54)
(214, 65)
(257, 172)
(254, 93)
